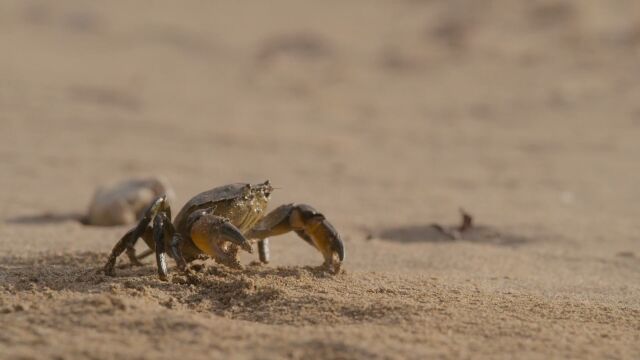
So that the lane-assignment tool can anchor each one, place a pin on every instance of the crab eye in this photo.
(267, 188)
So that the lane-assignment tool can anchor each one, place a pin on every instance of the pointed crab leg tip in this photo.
(337, 262)
(336, 268)
(338, 248)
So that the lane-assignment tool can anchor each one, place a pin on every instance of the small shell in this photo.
(125, 202)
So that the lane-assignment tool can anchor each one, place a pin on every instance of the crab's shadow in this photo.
(47, 218)
(433, 233)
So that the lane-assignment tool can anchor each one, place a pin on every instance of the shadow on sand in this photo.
(433, 233)
(46, 218)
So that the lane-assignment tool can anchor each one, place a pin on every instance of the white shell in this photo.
(124, 202)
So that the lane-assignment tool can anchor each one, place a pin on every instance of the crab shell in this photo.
(243, 204)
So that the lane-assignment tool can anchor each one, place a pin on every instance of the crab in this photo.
(218, 222)
(125, 202)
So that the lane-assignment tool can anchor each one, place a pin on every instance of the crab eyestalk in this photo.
(266, 188)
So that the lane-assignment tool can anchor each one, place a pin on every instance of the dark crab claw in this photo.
(231, 233)
(310, 225)
(319, 232)
(329, 243)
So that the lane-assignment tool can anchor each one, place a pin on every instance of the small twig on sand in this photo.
(455, 233)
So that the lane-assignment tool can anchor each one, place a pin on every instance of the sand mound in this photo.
(419, 310)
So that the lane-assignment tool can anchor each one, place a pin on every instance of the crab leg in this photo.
(162, 231)
(263, 250)
(176, 250)
(309, 224)
(129, 239)
(161, 228)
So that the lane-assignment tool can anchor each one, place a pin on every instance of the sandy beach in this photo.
(388, 116)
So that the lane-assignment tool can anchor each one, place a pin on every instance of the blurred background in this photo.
(376, 112)
(387, 116)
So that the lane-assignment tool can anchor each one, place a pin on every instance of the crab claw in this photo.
(207, 230)
(326, 239)
(310, 225)
(231, 233)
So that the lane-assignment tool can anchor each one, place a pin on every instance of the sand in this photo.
(388, 116)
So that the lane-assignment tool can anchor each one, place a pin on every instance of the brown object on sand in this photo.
(455, 233)
(126, 201)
